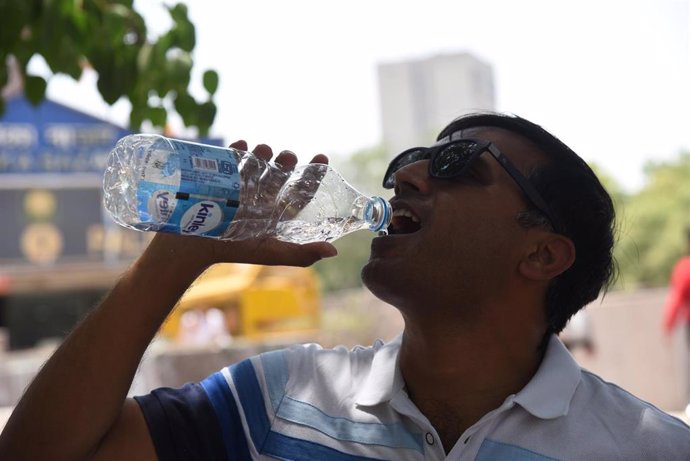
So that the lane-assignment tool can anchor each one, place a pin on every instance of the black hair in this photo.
(583, 211)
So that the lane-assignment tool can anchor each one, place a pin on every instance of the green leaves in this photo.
(652, 224)
(35, 89)
(211, 81)
(194, 113)
(179, 69)
(205, 116)
(157, 115)
(111, 37)
(183, 31)
(4, 75)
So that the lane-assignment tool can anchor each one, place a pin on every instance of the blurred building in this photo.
(59, 253)
(56, 256)
(419, 97)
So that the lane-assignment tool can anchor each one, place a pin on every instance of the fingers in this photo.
(263, 152)
(276, 252)
(323, 249)
(239, 145)
(203, 252)
(313, 252)
(286, 160)
(320, 158)
(271, 252)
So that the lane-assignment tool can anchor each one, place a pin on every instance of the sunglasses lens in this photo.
(452, 160)
(401, 161)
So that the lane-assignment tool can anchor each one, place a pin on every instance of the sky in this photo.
(610, 78)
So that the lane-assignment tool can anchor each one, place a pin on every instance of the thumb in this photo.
(323, 249)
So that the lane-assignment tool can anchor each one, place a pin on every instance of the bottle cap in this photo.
(378, 213)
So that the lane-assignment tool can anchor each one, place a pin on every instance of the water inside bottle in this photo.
(298, 231)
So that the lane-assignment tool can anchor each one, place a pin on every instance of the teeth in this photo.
(406, 213)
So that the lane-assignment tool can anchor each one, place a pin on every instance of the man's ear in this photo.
(549, 257)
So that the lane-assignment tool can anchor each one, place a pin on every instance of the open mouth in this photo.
(403, 222)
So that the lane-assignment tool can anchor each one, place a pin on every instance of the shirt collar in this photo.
(548, 394)
(384, 379)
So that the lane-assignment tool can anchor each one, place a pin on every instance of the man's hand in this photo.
(202, 252)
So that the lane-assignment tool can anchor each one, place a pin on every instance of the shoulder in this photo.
(627, 420)
(311, 365)
(304, 365)
(307, 354)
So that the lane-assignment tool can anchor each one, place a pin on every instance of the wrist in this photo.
(176, 257)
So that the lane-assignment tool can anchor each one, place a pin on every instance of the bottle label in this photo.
(198, 196)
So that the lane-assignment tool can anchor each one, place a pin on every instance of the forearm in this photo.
(79, 393)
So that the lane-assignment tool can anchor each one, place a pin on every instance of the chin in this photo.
(386, 283)
(377, 271)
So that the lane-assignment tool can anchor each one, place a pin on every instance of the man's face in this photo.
(453, 242)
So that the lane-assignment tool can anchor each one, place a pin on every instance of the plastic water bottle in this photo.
(154, 183)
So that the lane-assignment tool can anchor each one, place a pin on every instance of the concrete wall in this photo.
(631, 350)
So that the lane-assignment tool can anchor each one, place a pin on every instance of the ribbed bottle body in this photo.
(153, 183)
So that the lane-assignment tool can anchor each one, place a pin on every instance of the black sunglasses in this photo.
(452, 160)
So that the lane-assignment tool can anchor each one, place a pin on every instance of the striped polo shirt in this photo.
(309, 403)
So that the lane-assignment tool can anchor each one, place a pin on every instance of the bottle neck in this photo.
(377, 213)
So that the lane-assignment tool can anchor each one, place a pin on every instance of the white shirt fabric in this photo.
(353, 402)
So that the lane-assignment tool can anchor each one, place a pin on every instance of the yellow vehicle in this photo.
(257, 302)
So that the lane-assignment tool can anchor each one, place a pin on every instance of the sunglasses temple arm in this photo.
(519, 178)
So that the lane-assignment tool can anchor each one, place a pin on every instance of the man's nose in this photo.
(414, 176)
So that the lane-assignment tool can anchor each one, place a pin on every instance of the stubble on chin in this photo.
(386, 283)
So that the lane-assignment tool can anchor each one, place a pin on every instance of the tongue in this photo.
(403, 225)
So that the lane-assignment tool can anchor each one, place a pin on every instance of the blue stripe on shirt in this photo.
(275, 369)
(276, 373)
(491, 450)
(269, 442)
(288, 448)
(224, 406)
(252, 401)
(389, 435)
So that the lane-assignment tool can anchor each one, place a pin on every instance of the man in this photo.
(500, 234)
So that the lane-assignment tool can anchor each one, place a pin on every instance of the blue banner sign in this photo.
(53, 138)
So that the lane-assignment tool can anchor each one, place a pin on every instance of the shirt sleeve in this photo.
(184, 425)
(227, 416)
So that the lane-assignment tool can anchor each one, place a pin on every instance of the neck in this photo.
(457, 376)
